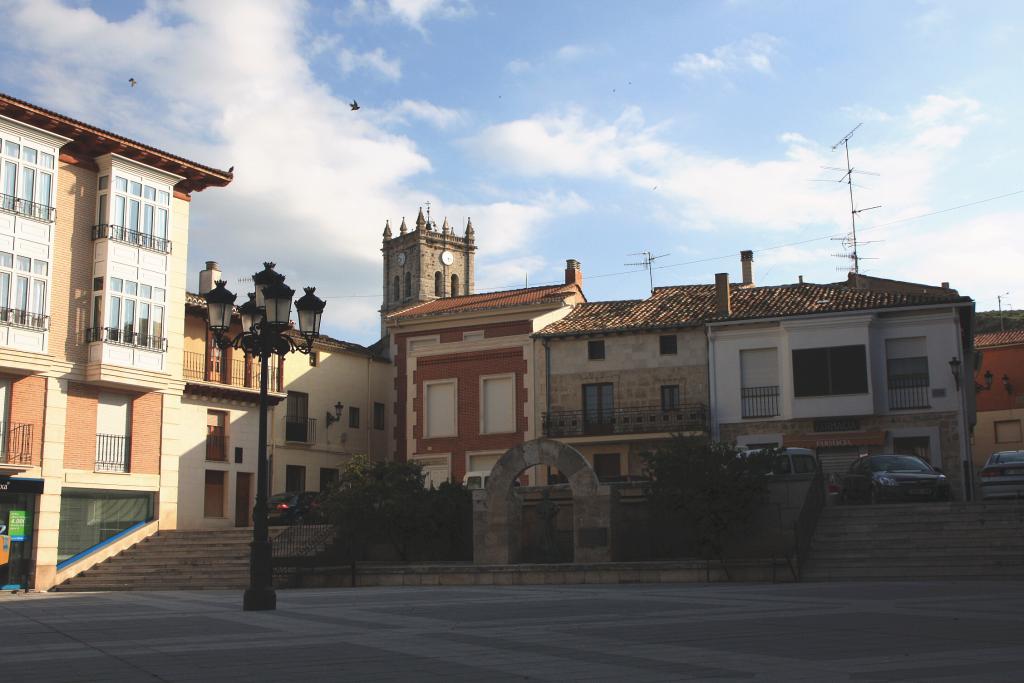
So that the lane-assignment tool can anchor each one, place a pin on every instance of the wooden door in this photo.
(243, 505)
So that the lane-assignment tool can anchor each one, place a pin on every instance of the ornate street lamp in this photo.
(264, 322)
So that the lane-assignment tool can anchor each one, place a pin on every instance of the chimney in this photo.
(801, 279)
(208, 276)
(945, 285)
(573, 273)
(723, 302)
(747, 261)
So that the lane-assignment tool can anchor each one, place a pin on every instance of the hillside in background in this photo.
(988, 321)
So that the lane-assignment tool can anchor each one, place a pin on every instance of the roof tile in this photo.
(999, 338)
(488, 300)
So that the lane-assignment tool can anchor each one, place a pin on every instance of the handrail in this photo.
(760, 401)
(807, 521)
(117, 335)
(908, 391)
(119, 233)
(113, 452)
(24, 207)
(16, 443)
(299, 430)
(17, 317)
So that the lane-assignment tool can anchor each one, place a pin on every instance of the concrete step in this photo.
(901, 573)
(966, 540)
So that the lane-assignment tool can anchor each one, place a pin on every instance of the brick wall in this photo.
(71, 274)
(80, 436)
(147, 419)
(27, 402)
(467, 368)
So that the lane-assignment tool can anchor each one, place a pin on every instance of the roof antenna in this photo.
(427, 204)
(646, 263)
(1000, 297)
(849, 241)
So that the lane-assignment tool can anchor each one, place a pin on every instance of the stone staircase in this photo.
(173, 560)
(918, 541)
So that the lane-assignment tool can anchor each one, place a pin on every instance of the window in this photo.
(408, 285)
(595, 349)
(913, 445)
(804, 463)
(438, 284)
(239, 455)
(134, 212)
(378, 416)
(135, 315)
(607, 466)
(294, 478)
(23, 285)
(396, 292)
(667, 344)
(670, 397)
(113, 429)
(498, 408)
(314, 358)
(88, 517)
(440, 400)
(213, 494)
(328, 476)
(830, 371)
(353, 417)
(298, 426)
(216, 435)
(759, 382)
(455, 285)
(598, 404)
(26, 180)
(1007, 431)
(906, 362)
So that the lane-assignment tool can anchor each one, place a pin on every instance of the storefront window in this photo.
(89, 517)
(17, 524)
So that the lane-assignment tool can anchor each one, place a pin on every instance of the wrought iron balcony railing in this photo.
(119, 233)
(113, 452)
(760, 401)
(217, 446)
(126, 337)
(197, 367)
(687, 417)
(15, 443)
(299, 430)
(908, 391)
(15, 317)
(24, 207)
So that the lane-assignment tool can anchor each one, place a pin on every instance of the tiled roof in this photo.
(671, 307)
(999, 338)
(489, 300)
(197, 176)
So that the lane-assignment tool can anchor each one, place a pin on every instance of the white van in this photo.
(476, 480)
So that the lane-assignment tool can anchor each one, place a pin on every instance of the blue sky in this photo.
(587, 130)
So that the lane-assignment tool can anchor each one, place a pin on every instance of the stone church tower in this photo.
(425, 263)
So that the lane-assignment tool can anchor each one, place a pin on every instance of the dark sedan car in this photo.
(893, 478)
(292, 508)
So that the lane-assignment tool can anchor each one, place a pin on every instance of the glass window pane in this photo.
(129, 319)
(89, 517)
(12, 149)
(6, 259)
(5, 289)
(133, 215)
(104, 182)
(135, 188)
(40, 267)
(118, 217)
(158, 321)
(115, 312)
(120, 184)
(29, 155)
(28, 183)
(147, 222)
(145, 291)
(103, 210)
(163, 197)
(24, 263)
(46, 160)
(131, 288)
(21, 294)
(149, 193)
(143, 318)
(158, 294)
(116, 284)
(45, 184)
(10, 180)
(97, 315)
(161, 223)
(39, 296)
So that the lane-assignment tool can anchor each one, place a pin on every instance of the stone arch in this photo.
(497, 510)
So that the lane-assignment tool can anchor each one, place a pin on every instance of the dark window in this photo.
(97, 284)
(353, 416)
(455, 285)
(408, 285)
(297, 424)
(668, 344)
(238, 454)
(396, 288)
(598, 402)
(913, 445)
(607, 466)
(595, 349)
(803, 463)
(830, 371)
(438, 284)
(294, 478)
(908, 382)
(314, 358)
(670, 396)
(378, 416)
(328, 475)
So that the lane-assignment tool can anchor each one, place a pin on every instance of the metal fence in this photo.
(126, 337)
(682, 418)
(198, 368)
(19, 318)
(217, 446)
(113, 452)
(15, 443)
(908, 391)
(120, 233)
(300, 430)
(42, 212)
(760, 401)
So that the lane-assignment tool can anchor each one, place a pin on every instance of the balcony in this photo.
(18, 318)
(198, 368)
(217, 446)
(907, 392)
(15, 443)
(135, 238)
(126, 337)
(646, 420)
(760, 401)
(113, 452)
(299, 430)
(23, 207)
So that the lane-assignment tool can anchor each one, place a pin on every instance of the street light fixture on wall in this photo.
(332, 418)
(264, 322)
(954, 367)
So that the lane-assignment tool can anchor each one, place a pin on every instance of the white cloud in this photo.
(940, 108)
(755, 52)
(375, 60)
(860, 112)
(571, 52)
(410, 12)
(439, 117)
(518, 66)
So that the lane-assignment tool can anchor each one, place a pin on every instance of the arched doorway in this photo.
(497, 510)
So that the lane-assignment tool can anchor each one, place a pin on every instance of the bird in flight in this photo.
(132, 82)
(354, 105)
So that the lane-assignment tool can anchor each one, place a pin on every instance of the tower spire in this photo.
(421, 222)
(402, 229)
(387, 229)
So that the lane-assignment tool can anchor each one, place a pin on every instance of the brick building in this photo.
(999, 383)
(93, 245)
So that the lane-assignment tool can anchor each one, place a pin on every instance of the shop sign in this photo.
(16, 524)
(16, 485)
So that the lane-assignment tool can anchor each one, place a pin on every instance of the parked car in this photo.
(476, 480)
(893, 478)
(294, 507)
(788, 460)
(1003, 475)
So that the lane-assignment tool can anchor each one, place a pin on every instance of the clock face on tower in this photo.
(447, 258)
(401, 258)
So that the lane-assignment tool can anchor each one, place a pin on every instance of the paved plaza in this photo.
(923, 631)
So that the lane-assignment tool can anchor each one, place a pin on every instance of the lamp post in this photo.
(264, 321)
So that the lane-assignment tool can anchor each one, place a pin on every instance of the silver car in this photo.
(1003, 475)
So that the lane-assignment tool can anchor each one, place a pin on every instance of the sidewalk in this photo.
(785, 632)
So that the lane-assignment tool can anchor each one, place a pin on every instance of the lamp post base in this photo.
(256, 599)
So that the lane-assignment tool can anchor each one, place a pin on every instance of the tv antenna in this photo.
(646, 263)
(1000, 297)
(850, 242)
